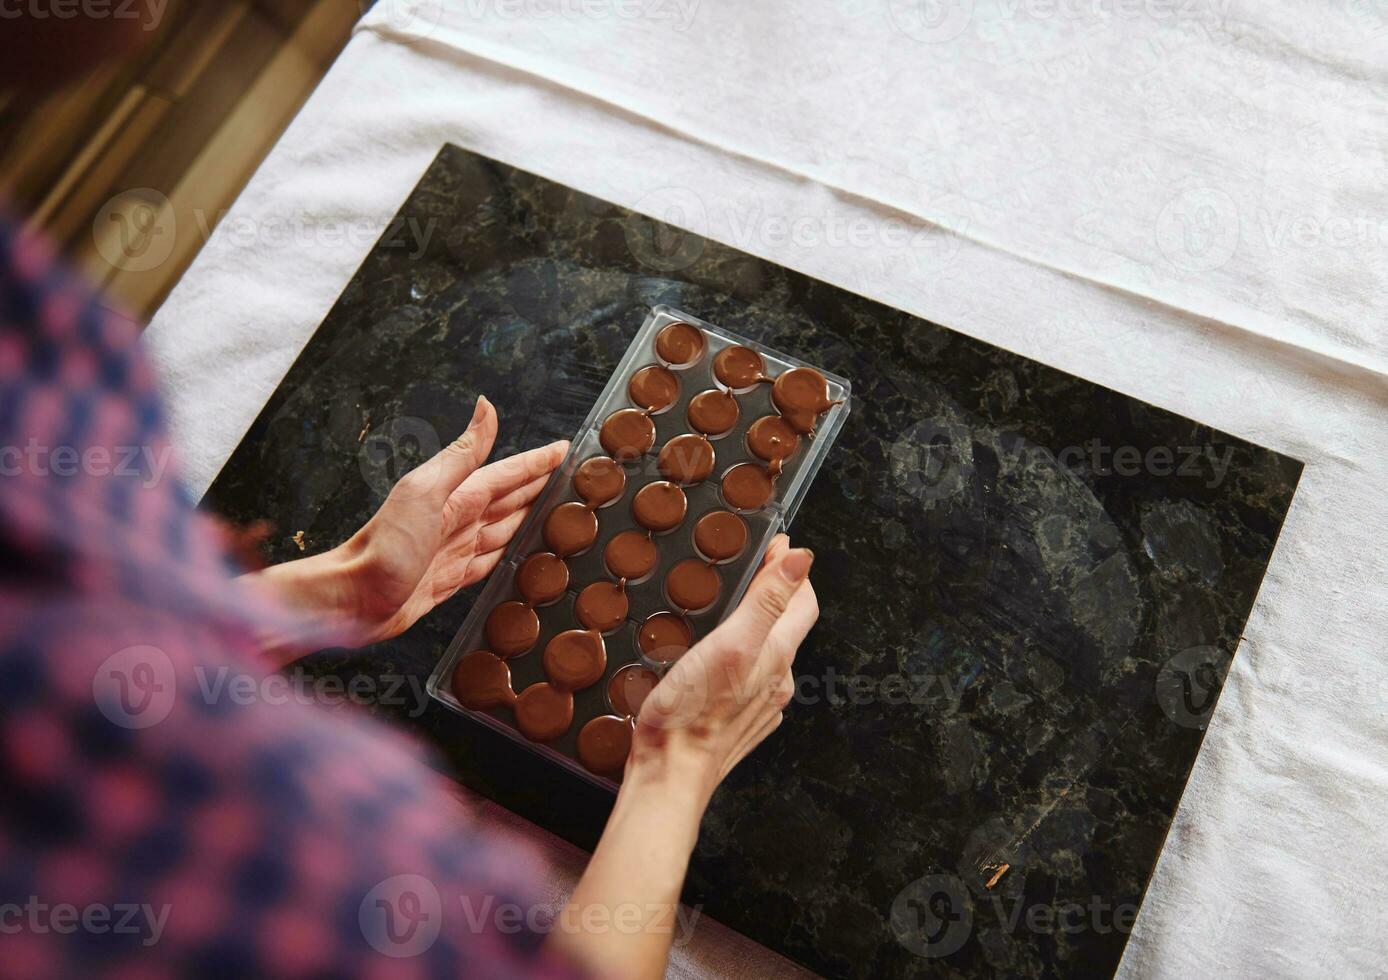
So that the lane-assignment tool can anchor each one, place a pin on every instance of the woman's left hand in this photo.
(443, 527)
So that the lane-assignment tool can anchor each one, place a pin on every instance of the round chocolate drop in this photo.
(686, 459)
(630, 686)
(772, 438)
(511, 629)
(720, 536)
(664, 638)
(604, 744)
(599, 481)
(544, 712)
(654, 388)
(602, 606)
(748, 486)
(801, 390)
(679, 344)
(570, 529)
(542, 578)
(482, 680)
(630, 555)
(739, 367)
(575, 659)
(713, 412)
(659, 506)
(692, 585)
(627, 434)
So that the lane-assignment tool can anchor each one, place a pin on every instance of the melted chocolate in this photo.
(604, 744)
(602, 606)
(654, 388)
(542, 578)
(692, 585)
(659, 506)
(544, 712)
(686, 459)
(801, 390)
(679, 344)
(631, 555)
(630, 686)
(739, 367)
(772, 438)
(720, 536)
(575, 659)
(599, 481)
(570, 529)
(713, 412)
(748, 486)
(511, 629)
(482, 680)
(664, 638)
(627, 434)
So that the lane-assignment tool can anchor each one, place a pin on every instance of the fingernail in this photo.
(477, 410)
(796, 566)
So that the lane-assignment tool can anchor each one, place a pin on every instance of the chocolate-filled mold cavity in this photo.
(482, 680)
(748, 487)
(680, 345)
(542, 578)
(511, 629)
(575, 659)
(714, 412)
(659, 506)
(739, 368)
(631, 555)
(654, 388)
(686, 459)
(629, 687)
(801, 390)
(692, 585)
(602, 606)
(599, 481)
(544, 712)
(627, 435)
(720, 536)
(664, 637)
(773, 439)
(604, 744)
(570, 529)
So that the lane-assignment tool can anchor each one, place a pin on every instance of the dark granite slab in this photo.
(1023, 633)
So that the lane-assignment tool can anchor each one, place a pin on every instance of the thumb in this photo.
(769, 594)
(455, 462)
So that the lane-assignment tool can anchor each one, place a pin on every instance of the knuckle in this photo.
(771, 601)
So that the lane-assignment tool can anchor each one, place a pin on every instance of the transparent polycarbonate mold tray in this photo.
(647, 596)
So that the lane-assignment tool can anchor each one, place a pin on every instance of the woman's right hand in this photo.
(727, 692)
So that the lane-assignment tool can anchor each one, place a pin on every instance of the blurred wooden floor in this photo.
(176, 131)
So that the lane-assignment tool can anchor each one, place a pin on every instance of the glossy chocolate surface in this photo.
(686, 459)
(482, 680)
(601, 606)
(664, 637)
(692, 585)
(801, 390)
(659, 506)
(627, 434)
(739, 367)
(544, 712)
(575, 659)
(772, 438)
(654, 388)
(604, 744)
(680, 344)
(599, 480)
(542, 578)
(713, 412)
(747, 486)
(720, 535)
(570, 529)
(512, 628)
(629, 687)
(631, 555)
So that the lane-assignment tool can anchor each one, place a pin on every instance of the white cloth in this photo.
(1180, 199)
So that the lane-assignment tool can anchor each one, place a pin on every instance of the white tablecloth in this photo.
(1181, 199)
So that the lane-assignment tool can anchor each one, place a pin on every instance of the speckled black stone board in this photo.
(1019, 646)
